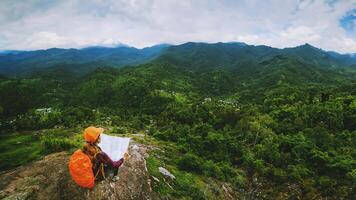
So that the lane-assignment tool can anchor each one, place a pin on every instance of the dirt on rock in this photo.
(49, 179)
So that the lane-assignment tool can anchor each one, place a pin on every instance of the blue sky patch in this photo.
(348, 21)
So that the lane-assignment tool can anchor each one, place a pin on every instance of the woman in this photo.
(96, 155)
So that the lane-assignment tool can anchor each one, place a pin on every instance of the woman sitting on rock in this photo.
(96, 155)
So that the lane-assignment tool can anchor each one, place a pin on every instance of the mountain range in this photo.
(26, 62)
(196, 56)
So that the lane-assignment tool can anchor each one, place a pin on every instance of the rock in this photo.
(165, 172)
(49, 179)
(155, 178)
(228, 192)
(139, 135)
(135, 147)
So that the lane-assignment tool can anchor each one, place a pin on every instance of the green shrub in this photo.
(278, 174)
(210, 169)
(352, 175)
(56, 144)
(327, 185)
(191, 162)
(18, 149)
(116, 120)
(57, 140)
(298, 172)
(231, 174)
(187, 187)
(120, 130)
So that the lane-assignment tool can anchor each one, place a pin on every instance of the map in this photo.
(114, 146)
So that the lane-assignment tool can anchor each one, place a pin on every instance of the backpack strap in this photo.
(101, 169)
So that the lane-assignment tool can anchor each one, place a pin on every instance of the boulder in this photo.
(166, 173)
(49, 179)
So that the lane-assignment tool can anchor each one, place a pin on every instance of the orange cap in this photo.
(92, 133)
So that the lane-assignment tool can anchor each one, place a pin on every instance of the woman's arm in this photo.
(104, 158)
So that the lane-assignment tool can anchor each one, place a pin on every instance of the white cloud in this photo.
(40, 39)
(300, 34)
(78, 23)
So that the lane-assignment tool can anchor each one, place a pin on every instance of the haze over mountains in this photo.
(191, 54)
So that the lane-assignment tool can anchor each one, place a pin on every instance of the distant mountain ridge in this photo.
(202, 56)
(25, 62)
(231, 55)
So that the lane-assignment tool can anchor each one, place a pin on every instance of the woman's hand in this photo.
(126, 156)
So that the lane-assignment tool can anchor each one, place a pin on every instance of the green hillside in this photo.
(252, 116)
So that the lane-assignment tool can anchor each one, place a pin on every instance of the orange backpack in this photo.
(80, 168)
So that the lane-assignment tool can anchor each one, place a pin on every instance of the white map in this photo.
(114, 146)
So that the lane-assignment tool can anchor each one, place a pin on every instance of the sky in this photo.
(43, 24)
